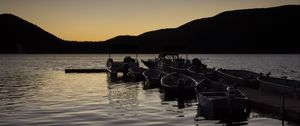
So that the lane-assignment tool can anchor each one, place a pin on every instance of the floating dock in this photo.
(101, 70)
(273, 104)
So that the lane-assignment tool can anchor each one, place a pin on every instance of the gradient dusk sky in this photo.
(96, 20)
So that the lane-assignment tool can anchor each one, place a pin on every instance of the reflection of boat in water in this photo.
(171, 96)
(278, 85)
(122, 97)
(176, 82)
(219, 102)
(182, 101)
(242, 78)
(178, 99)
(114, 67)
(152, 77)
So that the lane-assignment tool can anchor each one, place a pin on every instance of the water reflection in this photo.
(49, 90)
(123, 96)
(199, 117)
(34, 90)
(183, 100)
(16, 88)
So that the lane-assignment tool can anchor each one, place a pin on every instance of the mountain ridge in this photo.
(259, 30)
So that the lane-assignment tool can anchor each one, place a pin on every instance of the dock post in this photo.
(283, 103)
(180, 92)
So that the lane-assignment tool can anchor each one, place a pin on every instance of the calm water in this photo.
(34, 90)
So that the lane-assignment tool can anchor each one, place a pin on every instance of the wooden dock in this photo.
(273, 103)
(85, 70)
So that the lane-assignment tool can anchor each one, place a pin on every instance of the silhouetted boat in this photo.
(182, 70)
(219, 102)
(179, 65)
(278, 85)
(113, 67)
(153, 77)
(176, 82)
(136, 73)
(150, 63)
(164, 61)
(242, 78)
(198, 72)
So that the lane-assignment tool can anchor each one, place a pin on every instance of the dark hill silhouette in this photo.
(252, 30)
(271, 30)
(18, 35)
(265, 30)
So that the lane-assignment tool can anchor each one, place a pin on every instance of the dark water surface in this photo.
(34, 90)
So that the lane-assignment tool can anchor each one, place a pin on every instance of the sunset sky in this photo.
(98, 20)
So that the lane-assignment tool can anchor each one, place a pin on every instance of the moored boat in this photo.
(198, 72)
(114, 67)
(150, 63)
(182, 69)
(176, 82)
(136, 74)
(152, 77)
(279, 86)
(168, 62)
(163, 60)
(219, 102)
(242, 78)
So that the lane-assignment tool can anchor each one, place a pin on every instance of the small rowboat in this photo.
(152, 77)
(219, 102)
(176, 82)
(242, 78)
(280, 86)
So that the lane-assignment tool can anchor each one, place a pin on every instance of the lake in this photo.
(34, 90)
